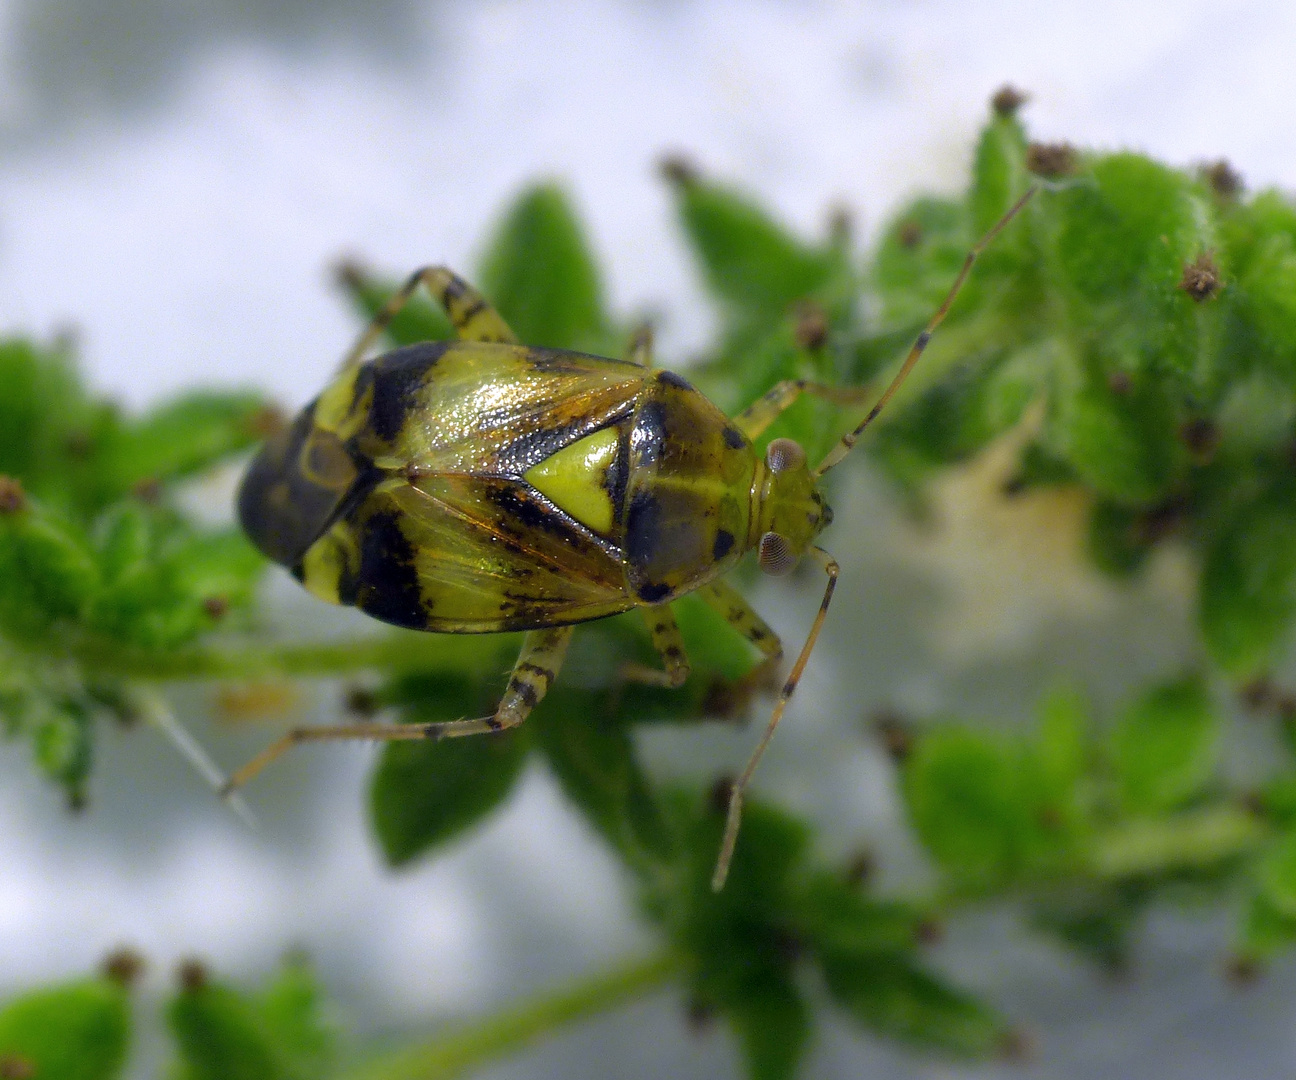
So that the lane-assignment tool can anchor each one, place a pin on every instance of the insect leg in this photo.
(536, 668)
(473, 318)
(669, 643)
(762, 412)
(734, 819)
(727, 600)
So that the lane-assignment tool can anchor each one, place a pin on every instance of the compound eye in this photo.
(776, 556)
(784, 454)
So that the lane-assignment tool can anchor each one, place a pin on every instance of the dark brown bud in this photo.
(79, 444)
(1258, 694)
(1201, 278)
(1119, 383)
(350, 273)
(123, 966)
(721, 793)
(811, 326)
(360, 701)
(1224, 180)
(699, 1015)
(1017, 1046)
(14, 1067)
(895, 733)
(267, 421)
(217, 607)
(1051, 160)
(679, 170)
(1008, 99)
(148, 490)
(192, 975)
(910, 234)
(1201, 436)
(1243, 971)
(841, 224)
(929, 931)
(12, 497)
(861, 868)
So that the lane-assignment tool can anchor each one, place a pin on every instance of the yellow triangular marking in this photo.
(575, 479)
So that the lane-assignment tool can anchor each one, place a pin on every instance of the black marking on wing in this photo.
(397, 377)
(388, 581)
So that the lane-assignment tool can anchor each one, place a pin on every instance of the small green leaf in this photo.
(48, 569)
(1164, 749)
(772, 1023)
(1248, 584)
(892, 996)
(987, 809)
(423, 794)
(999, 174)
(1099, 925)
(1276, 876)
(79, 1031)
(185, 436)
(839, 919)
(541, 276)
(594, 759)
(1264, 929)
(754, 266)
(220, 1035)
(292, 1009)
(917, 261)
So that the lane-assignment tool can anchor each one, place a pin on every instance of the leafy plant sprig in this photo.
(1133, 336)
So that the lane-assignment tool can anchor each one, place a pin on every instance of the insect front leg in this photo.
(538, 665)
(762, 412)
(669, 643)
(739, 614)
(473, 318)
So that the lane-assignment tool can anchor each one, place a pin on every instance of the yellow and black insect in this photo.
(477, 486)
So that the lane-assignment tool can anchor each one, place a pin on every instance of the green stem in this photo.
(394, 651)
(467, 1046)
(1191, 840)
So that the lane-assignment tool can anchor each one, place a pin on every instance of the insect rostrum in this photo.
(479, 486)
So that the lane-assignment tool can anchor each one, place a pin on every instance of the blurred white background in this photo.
(175, 179)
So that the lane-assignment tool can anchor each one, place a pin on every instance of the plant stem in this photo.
(464, 1047)
(393, 651)
(1191, 840)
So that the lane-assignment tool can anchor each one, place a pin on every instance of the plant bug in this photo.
(477, 486)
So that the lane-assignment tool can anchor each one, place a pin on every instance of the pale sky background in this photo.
(175, 180)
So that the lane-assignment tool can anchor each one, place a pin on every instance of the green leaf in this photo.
(185, 436)
(1276, 876)
(594, 759)
(423, 794)
(48, 570)
(999, 176)
(540, 275)
(892, 996)
(917, 261)
(772, 1023)
(1122, 442)
(755, 267)
(220, 1035)
(839, 919)
(1248, 583)
(79, 1031)
(987, 809)
(1124, 235)
(1097, 924)
(1165, 747)
(1264, 929)
(292, 1009)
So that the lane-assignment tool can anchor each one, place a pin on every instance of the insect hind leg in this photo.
(669, 643)
(537, 666)
(473, 318)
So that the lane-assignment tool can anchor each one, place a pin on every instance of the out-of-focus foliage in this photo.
(1133, 331)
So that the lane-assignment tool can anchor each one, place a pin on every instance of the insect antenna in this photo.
(850, 438)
